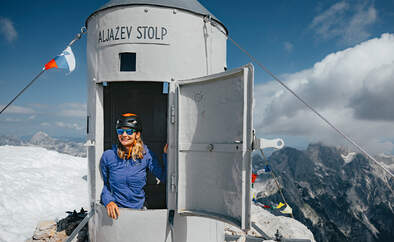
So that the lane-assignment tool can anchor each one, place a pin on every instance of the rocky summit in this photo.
(339, 197)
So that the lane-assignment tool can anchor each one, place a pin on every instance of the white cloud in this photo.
(39, 105)
(69, 125)
(353, 88)
(347, 21)
(12, 120)
(7, 29)
(288, 46)
(73, 110)
(17, 109)
(45, 124)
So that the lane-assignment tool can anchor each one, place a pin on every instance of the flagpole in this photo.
(28, 85)
(77, 37)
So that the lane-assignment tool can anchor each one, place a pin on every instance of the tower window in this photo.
(127, 61)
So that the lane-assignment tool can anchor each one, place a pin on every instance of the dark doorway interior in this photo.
(148, 101)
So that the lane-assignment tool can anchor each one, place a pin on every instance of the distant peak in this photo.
(40, 137)
(41, 133)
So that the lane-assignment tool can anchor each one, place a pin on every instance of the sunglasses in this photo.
(128, 131)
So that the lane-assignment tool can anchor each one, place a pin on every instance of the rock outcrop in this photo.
(338, 200)
(51, 231)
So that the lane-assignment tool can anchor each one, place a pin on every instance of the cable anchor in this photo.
(78, 36)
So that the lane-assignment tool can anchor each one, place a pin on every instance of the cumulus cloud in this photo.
(73, 110)
(347, 21)
(288, 46)
(353, 88)
(17, 109)
(7, 29)
(69, 125)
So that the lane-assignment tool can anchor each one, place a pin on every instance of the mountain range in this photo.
(339, 197)
(63, 145)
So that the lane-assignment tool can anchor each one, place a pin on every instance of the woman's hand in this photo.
(112, 210)
(165, 149)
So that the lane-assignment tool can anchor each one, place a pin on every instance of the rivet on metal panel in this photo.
(145, 10)
(174, 11)
(210, 147)
(198, 96)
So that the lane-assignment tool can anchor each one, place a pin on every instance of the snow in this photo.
(310, 213)
(38, 184)
(373, 229)
(349, 157)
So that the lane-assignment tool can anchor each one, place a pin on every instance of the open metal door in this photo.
(214, 139)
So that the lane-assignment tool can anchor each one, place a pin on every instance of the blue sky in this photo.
(289, 37)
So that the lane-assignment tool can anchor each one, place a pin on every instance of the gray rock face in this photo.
(337, 200)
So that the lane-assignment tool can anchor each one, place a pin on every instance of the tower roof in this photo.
(189, 5)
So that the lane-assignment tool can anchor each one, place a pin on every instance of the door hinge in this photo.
(173, 185)
(172, 114)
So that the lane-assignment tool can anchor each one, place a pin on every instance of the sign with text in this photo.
(119, 34)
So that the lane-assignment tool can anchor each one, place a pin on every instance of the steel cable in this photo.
(213, 23)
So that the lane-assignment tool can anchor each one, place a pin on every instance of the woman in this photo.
(123, 168)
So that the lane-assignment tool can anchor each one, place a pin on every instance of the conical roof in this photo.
(189, 5)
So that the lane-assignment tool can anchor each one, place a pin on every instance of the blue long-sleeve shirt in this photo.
(124, 180)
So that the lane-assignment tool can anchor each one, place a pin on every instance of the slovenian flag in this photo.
(266, 169)
(287, 210)
(65, 60)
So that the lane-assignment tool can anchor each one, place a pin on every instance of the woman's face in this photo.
(127, 140)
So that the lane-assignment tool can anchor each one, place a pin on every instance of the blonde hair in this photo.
(137, 150)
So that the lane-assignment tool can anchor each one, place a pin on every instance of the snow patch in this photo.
(37, 184)
(366, 221)
(310, 213)
(349, 157)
